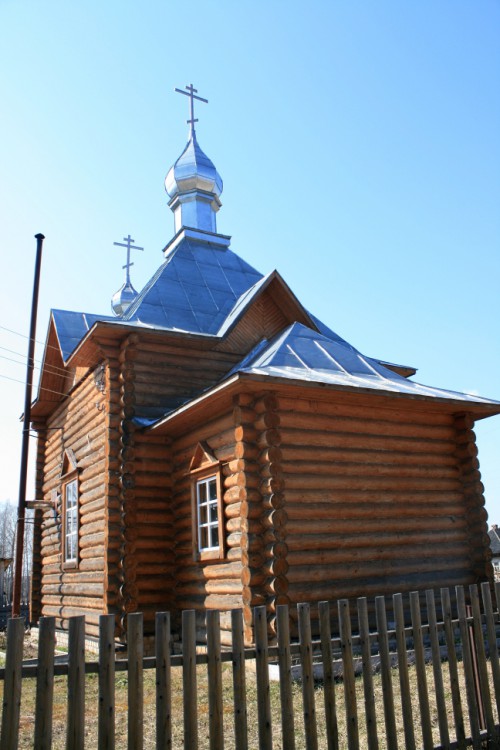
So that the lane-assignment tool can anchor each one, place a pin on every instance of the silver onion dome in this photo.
(193, 170)
(123, 298)
(194, 186)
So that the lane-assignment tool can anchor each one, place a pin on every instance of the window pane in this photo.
(202, 514)
(204, 537)
(202, 492)
(215, 536)
(213, 513)
(213, 489)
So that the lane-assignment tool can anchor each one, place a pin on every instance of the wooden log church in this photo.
(214, 445)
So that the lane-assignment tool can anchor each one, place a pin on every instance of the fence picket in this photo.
(473, 631)
(239, 681)
(306, 663)
(189, 682)
(385, 670)
(262, 670)
(216, 728)
(349, 678)
(45, 684)
(135, 689)
(492, 640)
(13, 684)
(453, 669)
(285, 669)
(75, 731)
(482, 666)
(444, 734)
(163, 684)
(468, 669)
(106, 714)
(404, 679)
(325, 631)
(423, 695)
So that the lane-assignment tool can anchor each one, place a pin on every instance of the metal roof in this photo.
(71, 327)
(195, 289)
(299, 353)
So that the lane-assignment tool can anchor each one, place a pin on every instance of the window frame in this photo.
(70, 478)
(200, 476)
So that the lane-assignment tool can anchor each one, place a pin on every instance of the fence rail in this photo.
(407, 683)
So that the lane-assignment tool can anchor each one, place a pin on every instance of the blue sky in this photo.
(358, 144)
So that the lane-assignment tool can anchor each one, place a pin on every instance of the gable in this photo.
(202, 457)
(267, 314)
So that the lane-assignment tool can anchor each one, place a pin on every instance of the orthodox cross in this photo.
(191, 91)
(127, 242)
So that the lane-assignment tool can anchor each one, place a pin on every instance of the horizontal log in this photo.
(316, 515)
(219, 587)
(348, 405)
(364, 442)
(350, 497)
(378, 483)
(318, 564)
(297, 539)
(365, 468)
(222, 571)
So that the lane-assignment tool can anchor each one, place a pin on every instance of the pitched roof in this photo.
(195, 289)
(299, 353)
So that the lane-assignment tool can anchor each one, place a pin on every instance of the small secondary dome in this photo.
(123, 298)
(126, 294)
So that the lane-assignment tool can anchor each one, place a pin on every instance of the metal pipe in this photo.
(21, 507)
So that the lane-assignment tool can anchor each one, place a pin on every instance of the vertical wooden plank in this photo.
(75, 729)
(453, 668)
(404, 678)
(385, 670)
(492, 640)
(239, 681)
(351, 710)
(12, 685)
(45, 683)
(482, 666)
(262, 670)
(306, 663)
(468, 669)
(189, 679)
(436, 668)
(135, 648)
(214, 671)
(285, 668)
(325, 633)
(163, 682)
(423, 695)
(106, 716)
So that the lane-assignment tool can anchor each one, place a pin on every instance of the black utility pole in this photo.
(21, 507)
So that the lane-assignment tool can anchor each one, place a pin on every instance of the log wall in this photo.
(379, 501)
(217, 584)
(78, 424)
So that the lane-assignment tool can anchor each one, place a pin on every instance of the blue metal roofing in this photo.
(194, 290)
(71, 327)
(299, 353)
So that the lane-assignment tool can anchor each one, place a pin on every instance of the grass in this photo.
(92, 701)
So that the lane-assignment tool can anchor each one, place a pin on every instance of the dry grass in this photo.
(60, 708)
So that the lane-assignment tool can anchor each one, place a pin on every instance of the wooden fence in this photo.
(409, 683)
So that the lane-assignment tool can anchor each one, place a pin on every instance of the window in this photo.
(208, 516)
(71, 521)
(207, 509)
(69, 510)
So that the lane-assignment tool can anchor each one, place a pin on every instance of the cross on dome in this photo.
(191, 92)
(127, 242)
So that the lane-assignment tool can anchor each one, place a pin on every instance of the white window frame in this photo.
(70, 536)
